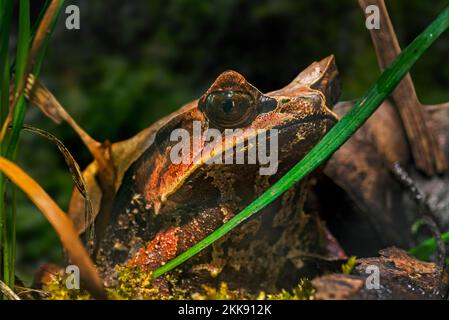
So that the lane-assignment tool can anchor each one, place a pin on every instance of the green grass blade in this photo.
(21, 61)
(19, 114)
(39, 38)
(4, 110)
(339, 134)
(6, 11)
(23, 38)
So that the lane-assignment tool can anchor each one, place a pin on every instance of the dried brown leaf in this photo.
(76, 174)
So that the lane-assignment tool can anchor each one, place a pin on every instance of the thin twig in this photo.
(428, 215)
(427, 153)
(25, 290)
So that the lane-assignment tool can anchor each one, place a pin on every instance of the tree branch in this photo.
(427, 153)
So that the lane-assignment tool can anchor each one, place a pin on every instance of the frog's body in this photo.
(161, 208)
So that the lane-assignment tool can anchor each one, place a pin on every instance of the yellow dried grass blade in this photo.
(60, 222)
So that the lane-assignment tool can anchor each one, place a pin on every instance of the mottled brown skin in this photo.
(161, 209)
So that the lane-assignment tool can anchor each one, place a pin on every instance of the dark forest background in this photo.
(134, 61)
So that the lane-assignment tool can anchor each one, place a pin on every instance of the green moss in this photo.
(132, 283)
(57, 290)
(303, 291)
(347, 267)
(136, 283)
(222, 293)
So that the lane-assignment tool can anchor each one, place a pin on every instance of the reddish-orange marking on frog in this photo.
(162, 248)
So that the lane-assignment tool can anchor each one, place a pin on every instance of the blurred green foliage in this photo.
(133, 62)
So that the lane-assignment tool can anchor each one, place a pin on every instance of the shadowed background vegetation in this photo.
(131, 63)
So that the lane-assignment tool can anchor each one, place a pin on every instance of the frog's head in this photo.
(188, 199)
(173, 204)
(194, 193)
(300, 113)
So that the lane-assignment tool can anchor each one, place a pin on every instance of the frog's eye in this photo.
(229, 109)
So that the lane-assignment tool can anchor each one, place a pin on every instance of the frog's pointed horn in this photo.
(320, 75)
